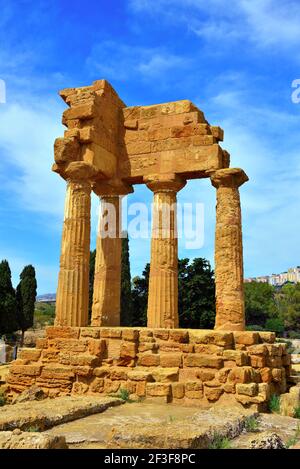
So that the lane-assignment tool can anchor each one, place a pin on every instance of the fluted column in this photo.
(107, 280)
(73, 281)
(163, 280)
(230, 309)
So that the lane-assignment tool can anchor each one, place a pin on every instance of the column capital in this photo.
(164, 183)
(112, 188)
(228, 177)
(80, 172)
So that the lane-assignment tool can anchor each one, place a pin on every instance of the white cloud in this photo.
(122, 61)
(263, 22)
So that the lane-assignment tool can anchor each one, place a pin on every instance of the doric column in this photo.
(107, 280)
(163, 280)
(230, 309)
(73, 281)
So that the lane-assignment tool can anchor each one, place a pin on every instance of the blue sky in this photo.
(236, 60)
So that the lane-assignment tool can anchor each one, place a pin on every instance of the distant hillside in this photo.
(46, 298)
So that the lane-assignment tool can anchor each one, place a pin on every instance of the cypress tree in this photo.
(140, 298)
(8, 319)
(91, 280)
(126, 297)
(26, 297)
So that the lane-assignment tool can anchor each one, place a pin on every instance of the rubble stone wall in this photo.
(170, 365)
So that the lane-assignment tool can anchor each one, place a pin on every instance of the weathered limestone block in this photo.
(97, 385)
(66, 150)
(213, 394)
(68, 345)
(243, 375)
(290, 401)
(158, 389)
(163, 280)
(92, 332)
(168, 346)
(177, 390)
(170, 360)
(79, 388)
(130, 334)
(165, 375)
(111, 333)
(240, 358)
(230, 314)
(197, 359)
(26, 370)
(206, 374)
(246, 337)
(268, 337)
(250, 389)
(148, 359)
(140, 375)
(257, 361)
(194, 389)
(53, 332)
(57, 372)
(28, 440)
(208, 349)
(219, 338)
(31, 354)
(162, 334)
(128, 349)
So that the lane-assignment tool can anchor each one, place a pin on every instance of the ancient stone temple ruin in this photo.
(108, 148)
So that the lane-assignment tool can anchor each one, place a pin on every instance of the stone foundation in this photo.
(185, 366)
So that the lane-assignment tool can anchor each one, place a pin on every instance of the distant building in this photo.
(277, 280)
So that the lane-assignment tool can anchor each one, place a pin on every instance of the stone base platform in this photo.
(185, 366)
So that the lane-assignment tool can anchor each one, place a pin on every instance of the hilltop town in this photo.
(292, 275)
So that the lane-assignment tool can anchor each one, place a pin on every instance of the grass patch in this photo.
(124, 395)
(2, 399)
(219, 442)
(274, 404)
(32, 428)
(297, 412)
(294, 439)
(251, 424)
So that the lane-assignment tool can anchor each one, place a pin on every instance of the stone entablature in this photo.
(169, 365)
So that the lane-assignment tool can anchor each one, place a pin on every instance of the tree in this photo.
(91, 280)
(140, 298)
(260, 303)
(8, 318)
(289, 307)
(196, 294)
(126, 297)
(26, 297)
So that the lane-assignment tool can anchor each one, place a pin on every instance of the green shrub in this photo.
(32, 428)
(253, 327)
(274, 403)
(124, 394)
(251, 424)
(297, 412)
(275, 325)
(219, 442)
(294, 335)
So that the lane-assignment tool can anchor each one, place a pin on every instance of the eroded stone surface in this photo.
(48, 413)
